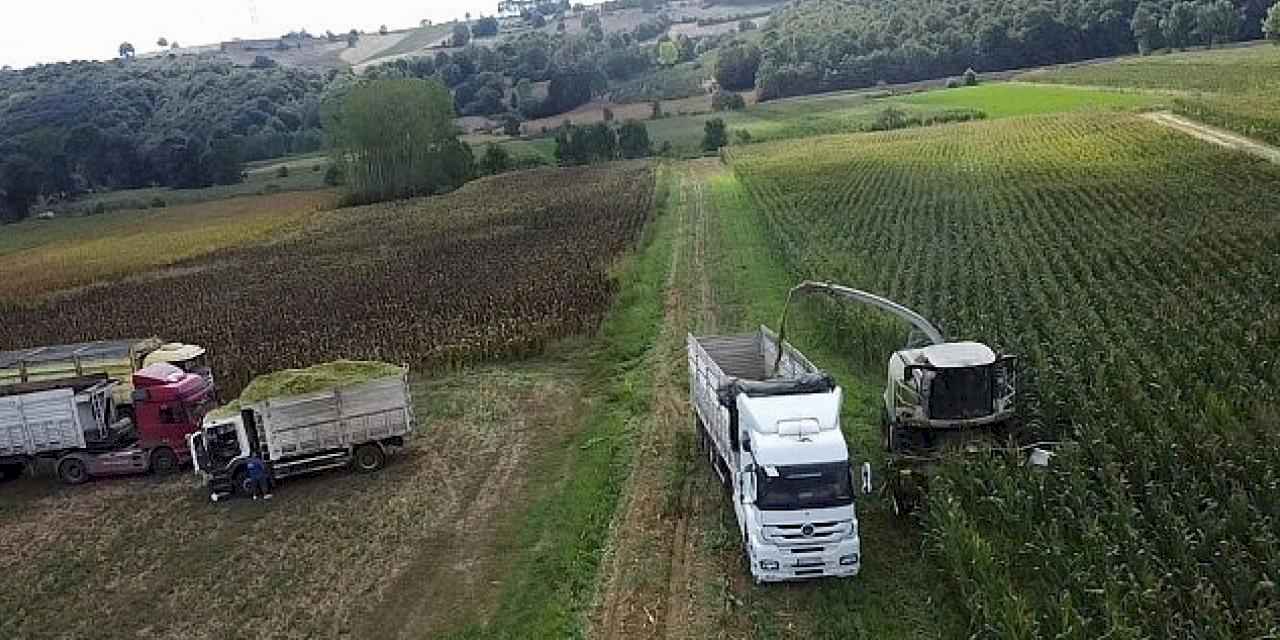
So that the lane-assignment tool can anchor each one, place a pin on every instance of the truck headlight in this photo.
(769, 565)
(849, 560)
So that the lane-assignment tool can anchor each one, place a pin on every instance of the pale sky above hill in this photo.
(39, 31)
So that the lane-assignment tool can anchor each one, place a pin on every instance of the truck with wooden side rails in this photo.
(341, 425)
(75, 424)
(775, 442)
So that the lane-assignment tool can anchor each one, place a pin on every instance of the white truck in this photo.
(775, 442)
(354, 426)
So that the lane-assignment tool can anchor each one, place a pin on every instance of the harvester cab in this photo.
(938, 397)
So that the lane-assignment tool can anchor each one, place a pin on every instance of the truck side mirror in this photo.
(746, 444)
(866, 478)
(747, 485)
(907, 374)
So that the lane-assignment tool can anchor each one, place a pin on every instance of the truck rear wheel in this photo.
(369, 458)
(73, 471)
(163, 461)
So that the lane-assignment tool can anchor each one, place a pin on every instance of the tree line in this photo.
(71, 128)
(827, 45)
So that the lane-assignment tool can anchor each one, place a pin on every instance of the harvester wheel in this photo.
(163, 461)
(73, 471)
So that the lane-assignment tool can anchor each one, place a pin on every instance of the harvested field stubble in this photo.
(496, 269)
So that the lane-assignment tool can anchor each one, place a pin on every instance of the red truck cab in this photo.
(168, 404)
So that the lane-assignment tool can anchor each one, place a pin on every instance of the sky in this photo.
(39, 31)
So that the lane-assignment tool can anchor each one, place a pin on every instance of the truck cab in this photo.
(795, 487)
(218, 449)
(168, 404)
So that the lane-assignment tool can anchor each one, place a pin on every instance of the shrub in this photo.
(283, 171)
(333, 175)
(99, 208)
(714, 135)
(511, 126)
(953, 83)
(158, 203)
(727, 101)
(970, 77)
(495, 160)
(743, 136)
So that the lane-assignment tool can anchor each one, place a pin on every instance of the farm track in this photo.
(654, 580)
(456, 579)
(1215, 135)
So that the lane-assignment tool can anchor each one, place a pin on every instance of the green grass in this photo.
(415, 41)
(856, 111)
(302, 178)
(1246, 70)
(1004, 100)
(543, 148)
(557, 551)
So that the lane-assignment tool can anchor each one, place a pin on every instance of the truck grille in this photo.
(807, 533)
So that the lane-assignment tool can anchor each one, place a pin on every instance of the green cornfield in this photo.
(1237, 89)
(1136, 271)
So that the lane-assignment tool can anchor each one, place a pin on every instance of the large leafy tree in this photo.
(737, 66)
(1271, 24)
(396, 138)
(1216, 22)
(1146, 27)
(1179, 24)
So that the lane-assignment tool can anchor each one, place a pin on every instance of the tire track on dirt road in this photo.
(1214, 135)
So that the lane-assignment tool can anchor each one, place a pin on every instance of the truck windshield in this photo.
(960, 393)
(222, 444)
(811, 486)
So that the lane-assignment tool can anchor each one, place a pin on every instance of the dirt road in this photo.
(1214, 135)
(653, 576)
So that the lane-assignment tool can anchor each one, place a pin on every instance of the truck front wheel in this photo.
(369, 458)
(73, 471)
(242, 484)
(163, 461)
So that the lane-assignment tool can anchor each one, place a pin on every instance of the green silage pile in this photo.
(292, 382)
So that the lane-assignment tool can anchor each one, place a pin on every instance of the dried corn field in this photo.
(496, 269)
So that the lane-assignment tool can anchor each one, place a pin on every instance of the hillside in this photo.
(825, 45)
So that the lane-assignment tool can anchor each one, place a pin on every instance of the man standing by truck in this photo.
(258, 474)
